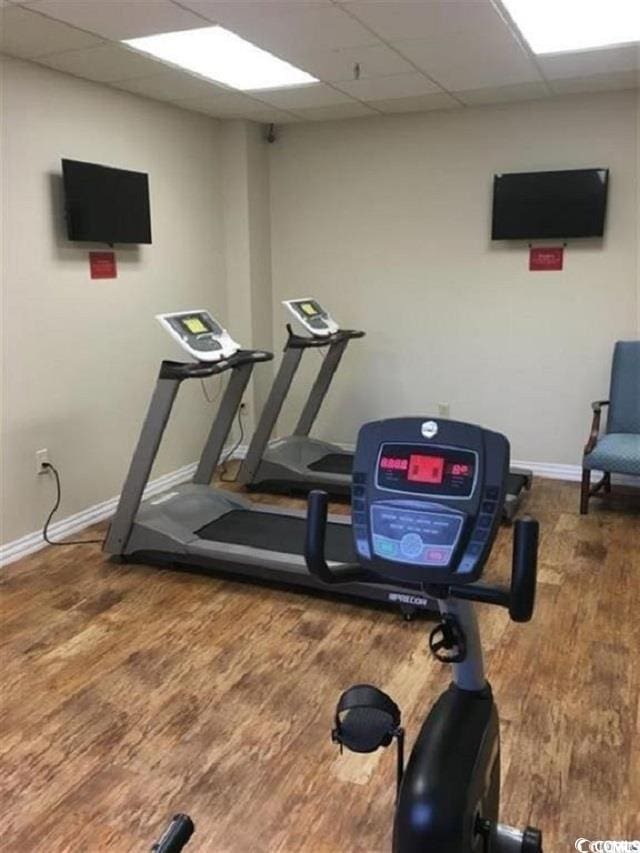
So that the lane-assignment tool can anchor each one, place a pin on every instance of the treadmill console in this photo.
(199, 334)
(312, 317)
(427, 498)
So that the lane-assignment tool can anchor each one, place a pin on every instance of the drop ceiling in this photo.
(370, 56)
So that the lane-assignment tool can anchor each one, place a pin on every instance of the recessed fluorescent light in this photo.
(555, 26)
(223, 56)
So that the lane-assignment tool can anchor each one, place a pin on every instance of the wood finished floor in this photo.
(131, 693)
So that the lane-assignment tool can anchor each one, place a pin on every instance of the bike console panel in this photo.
(427, 498)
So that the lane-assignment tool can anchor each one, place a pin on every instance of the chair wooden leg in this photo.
(606, 484)
(585, 491)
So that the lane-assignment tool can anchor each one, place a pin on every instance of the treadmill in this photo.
(205, 529)
(299, 463)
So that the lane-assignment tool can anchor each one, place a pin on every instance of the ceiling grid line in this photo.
(392, 47)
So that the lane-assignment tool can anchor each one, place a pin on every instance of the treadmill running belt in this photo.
(334, 463)
(274, 532)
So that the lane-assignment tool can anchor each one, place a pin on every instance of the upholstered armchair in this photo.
(617, 450)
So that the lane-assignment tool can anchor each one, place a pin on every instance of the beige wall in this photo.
(387, 221)
(80, 356)
(245, 169)
(260, 236)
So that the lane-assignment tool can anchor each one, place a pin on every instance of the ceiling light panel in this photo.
(223, 56)
(556, 26)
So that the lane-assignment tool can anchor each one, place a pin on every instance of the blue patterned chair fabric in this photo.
(618, 450)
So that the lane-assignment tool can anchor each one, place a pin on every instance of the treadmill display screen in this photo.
(309, 309)
(445, 472)
(195, 325)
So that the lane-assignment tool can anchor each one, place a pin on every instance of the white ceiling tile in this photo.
(383, 88)
(417, 103)
(26, 34)
(461, 44)
(471, 62)
(337, 111)
(302, 97)
(105, 64)
(333, 66)
(209, 8)
(171, 86)
(225, 103)
(590, 62)
(396, 20)
(270, 115)
(597, 83)
(120, 19)
(280, 26)
(232, 105)
(504, 94)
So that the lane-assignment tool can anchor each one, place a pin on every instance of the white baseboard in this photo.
(99, 512)
(552, 470)
(571, 473)
(33, 542)
(85, 518)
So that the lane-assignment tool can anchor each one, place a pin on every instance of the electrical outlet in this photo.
(42, 458)
(443, 410)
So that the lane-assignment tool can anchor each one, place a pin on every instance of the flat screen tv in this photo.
(105, 205)
(543, 205)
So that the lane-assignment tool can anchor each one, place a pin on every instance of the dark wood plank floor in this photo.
(131, 693)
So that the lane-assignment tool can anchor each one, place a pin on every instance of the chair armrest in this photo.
(595, 425)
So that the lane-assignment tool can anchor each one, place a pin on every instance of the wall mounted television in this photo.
(549, 205)
(105, 205)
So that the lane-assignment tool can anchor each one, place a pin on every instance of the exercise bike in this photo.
(427, 500)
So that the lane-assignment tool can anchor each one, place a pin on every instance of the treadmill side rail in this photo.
(272, 408)
(171, 375)
(251, 473)
(319, 389)
(144, 456)
(222, 424)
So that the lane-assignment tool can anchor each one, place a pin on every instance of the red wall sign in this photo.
(546, 258)
(103, 265)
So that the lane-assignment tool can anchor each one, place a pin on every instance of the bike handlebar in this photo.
(519, 598)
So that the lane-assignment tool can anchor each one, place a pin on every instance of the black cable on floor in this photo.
(45, 529)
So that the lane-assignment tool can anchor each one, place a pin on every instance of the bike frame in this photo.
(450, 792)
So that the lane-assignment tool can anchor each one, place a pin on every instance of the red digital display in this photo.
(394, 463)
(459, 469)
(425, 469)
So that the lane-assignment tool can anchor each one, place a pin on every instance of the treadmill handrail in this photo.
(201, 369)
(295, 341)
